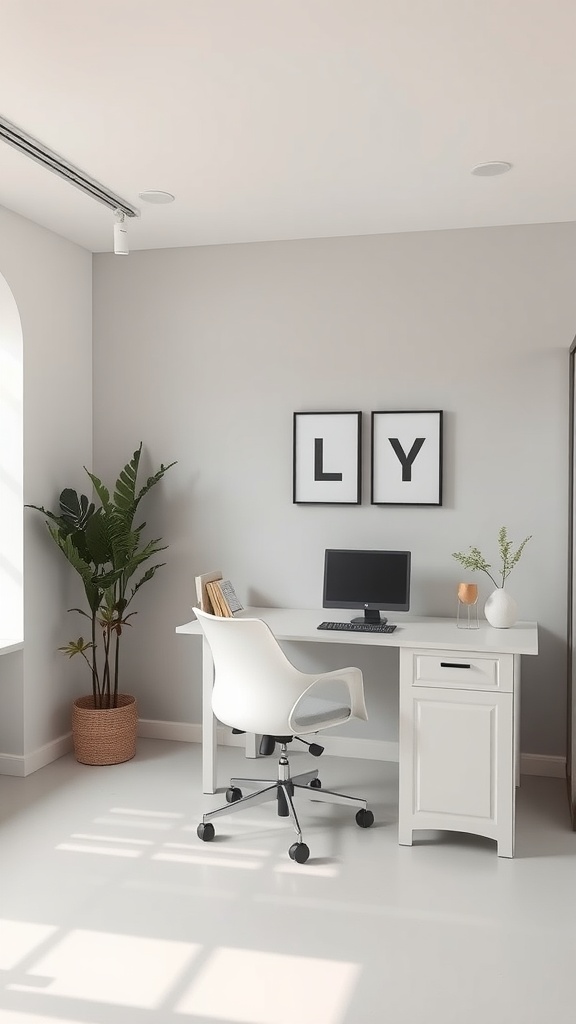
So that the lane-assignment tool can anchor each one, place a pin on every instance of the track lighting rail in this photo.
(31, 147)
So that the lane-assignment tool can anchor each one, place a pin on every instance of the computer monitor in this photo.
(373, 580)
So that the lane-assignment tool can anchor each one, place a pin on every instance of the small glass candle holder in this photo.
(467, 610)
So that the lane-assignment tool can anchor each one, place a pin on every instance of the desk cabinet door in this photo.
(457, 763)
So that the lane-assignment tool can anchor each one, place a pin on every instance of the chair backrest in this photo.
(255, 685)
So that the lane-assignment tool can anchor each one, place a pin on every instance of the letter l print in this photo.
(319, 473)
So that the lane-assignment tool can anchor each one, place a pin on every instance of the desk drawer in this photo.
(476, 672)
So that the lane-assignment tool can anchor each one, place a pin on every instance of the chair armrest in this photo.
(353, 681)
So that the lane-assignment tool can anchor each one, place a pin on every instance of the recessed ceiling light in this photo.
(491, 168)
(154, 195)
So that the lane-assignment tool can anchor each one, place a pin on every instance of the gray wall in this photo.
(205, 353)
(51, 280)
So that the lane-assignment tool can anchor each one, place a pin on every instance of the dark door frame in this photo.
(571, 631)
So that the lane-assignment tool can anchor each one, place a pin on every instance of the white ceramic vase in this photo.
(501, 609)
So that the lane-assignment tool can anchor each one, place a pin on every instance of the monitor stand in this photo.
(370, 615)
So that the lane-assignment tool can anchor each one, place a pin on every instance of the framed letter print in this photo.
(406, 458)
(326, 458)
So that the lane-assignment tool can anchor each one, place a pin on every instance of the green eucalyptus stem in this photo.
(474, 559)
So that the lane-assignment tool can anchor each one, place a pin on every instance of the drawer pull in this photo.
(453, 664)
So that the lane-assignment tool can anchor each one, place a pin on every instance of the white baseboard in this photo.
(12, 764)
(26, 764)
(341, 746)
(370, 750)
(547, 765)
(184, 732)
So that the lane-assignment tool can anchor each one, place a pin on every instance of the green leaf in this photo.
(64, 525)
(123, 540)
(80, 612)
(147, 576)
(79, 646)
(153, 480)
(75, 510)
(98, 544)
(151, 549)
(102, 491)
(125, 489)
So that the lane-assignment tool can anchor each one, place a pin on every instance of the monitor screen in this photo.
(372, 580)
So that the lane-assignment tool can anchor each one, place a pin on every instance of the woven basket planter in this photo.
(104, 735)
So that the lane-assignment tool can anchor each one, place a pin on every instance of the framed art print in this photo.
(406, 458)
(326, 458)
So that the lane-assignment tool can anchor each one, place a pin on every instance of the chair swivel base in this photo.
(282, 790)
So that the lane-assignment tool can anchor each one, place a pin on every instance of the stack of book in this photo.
(216, 595)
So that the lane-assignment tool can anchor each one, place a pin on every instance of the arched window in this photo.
(11, 467)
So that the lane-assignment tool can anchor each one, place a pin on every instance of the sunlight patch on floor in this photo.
(228, 849)
(13, 1017)
(102, 851)
(290, 867)
(111, 839)
(18, 939)
(252, 987)
(242, 823)
(206, 859)
(157, 826)
(132, 971)
(146, 814)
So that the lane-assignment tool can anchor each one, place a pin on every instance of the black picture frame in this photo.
(406, 457)
(326, 458)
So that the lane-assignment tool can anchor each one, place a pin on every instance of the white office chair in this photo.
(258, 690)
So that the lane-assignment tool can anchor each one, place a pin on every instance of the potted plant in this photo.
(500, 608)
(107, 551)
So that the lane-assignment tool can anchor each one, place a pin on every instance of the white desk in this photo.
(459, 716)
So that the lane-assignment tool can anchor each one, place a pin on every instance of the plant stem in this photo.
(106, 677)
(94, 665)
(491, 577)
(116, 666)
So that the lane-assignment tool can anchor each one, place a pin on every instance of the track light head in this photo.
(120, 235)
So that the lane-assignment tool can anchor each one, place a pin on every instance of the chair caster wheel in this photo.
(299, 852)
(315, 784)
(364, 818)
(205, 832)
(233, 794)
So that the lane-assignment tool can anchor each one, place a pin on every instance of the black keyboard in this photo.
(359, 627)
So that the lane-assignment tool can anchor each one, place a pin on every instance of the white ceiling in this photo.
(277, 119)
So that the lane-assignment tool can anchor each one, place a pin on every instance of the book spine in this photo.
(226, 610)
(219, 604)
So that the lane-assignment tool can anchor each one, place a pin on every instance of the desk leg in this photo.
(404, 835)
(208, 722)
(506, 843)
(517, 718)
(405, 751)
(252, 744)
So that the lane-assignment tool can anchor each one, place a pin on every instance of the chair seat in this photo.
(315, 711)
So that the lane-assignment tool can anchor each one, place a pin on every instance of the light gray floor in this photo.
(113, 912)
